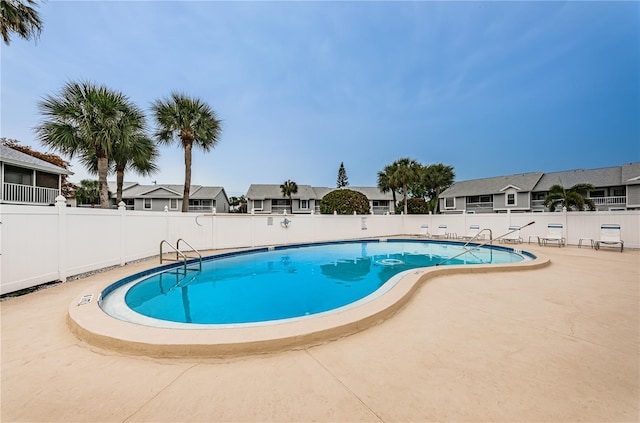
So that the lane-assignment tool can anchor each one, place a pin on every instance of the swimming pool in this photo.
(277, 284)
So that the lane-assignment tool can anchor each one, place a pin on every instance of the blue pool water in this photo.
(290, 282)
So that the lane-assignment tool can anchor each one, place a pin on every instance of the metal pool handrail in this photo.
(192, 249)
(178, 252)
(484, 243)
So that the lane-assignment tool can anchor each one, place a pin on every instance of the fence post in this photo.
(61, 206)
(122, 207)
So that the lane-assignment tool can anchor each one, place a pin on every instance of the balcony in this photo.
(476, 206)
(610, 201)
(27, 194)
(202, 208)
(381, 209)
(598, 201)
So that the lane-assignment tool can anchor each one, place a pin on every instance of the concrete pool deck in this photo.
(558, 343)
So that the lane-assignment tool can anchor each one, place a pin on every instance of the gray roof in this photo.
(307, 192)
(628, 174)
(134, 190)
(603, 177)
(18, 158)
(631, 173)
(269, 191)
(524, 182)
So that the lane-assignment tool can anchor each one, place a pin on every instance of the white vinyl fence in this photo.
(41, 244)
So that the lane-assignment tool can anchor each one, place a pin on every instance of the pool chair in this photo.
(424, 230)
(472, 233)
(554, 234)
(609, 237)
(512, 236)
(440, 232)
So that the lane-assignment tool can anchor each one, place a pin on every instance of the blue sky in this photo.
(490, 88)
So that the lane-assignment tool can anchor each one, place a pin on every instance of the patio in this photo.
(560, 343)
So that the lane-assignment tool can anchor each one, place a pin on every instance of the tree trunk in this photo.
(103, 169)
(119, 183)
(404, 192)
(437, 200)
(187, 175)
(395, 200)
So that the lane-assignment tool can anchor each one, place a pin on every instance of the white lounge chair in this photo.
(424, 230)
(609, 236)
(513, 235)
(472, 233)
(440, 232)
(554, 234)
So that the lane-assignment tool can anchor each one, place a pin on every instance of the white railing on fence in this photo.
(43, 244)
(28, 194)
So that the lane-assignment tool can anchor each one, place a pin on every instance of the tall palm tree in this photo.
(289, 188)
(386, 182)
(88, 119)
(190, 122)
(570, 198)
(137, 154)
(19, 17)
(436, 178)
(406, 172)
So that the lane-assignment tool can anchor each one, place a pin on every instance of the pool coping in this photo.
(91, 324)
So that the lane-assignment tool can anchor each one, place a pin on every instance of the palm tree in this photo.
(406, 172)
(570, 198)
(88, 192)
(88, 119)
(386, 182)
(19, 17)
(436, 178)
(190, 122)
(289, 188)
(137, 155)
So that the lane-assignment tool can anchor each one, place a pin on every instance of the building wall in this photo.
(633, 196)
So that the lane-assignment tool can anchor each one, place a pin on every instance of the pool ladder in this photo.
(477, 246)
(180, 255)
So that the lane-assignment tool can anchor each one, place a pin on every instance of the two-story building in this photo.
(25, 179)
(268, 198)
(202, 199)
(616, 188)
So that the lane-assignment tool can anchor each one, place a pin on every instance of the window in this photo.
(173, 203)
(280, 202)
(618, 192)
(146, 203)
(257, 204)
(46, 180)
(18, 175)
(380, 203)
(596, 193)
(303, 204)
(474, 199)
(511, 199)
(450, 203)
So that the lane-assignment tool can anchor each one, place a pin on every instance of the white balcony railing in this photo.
(201, 208)
(598, 201)
(605, 201)
(473, 206)
(381, 209)
(17, 193)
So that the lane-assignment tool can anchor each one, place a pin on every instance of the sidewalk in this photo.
(561, 343)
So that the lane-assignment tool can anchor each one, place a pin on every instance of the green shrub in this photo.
(414, 206)
(345, 201)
